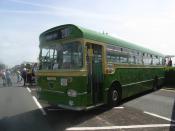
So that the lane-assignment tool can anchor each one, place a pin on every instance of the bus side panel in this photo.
(133, 80)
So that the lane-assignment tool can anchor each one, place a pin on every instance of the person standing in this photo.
(19, 79)
(8, 78)
(170, 62)
(24, 75)
(4, 78)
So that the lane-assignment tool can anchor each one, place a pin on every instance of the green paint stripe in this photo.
(134, 83)
(137, 82)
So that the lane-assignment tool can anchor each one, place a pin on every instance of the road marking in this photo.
(103, 120)
(162, 117)
(39, 105)
(120, 107)
(168, 90)
(28, 89)
(119, 127)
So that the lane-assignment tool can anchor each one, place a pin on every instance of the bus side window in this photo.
(146, 59)
(138, 58)
(132, 57)
(155, 60)
(123, 59)
(117, 54)
(160, 61)
(113, 54)
(163, 61)
(97, 54)
(150, 59)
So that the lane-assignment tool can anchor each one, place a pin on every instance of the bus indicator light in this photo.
(71, 103)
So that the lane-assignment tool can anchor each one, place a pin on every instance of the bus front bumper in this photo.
(79, 108)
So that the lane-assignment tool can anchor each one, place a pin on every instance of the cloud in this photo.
(153, 29)
(63, 11)
(34, 4)
(17, 47)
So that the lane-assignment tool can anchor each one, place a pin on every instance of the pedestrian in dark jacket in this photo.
(4, 78)
(24, 75)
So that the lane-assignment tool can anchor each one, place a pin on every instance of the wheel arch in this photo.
(118, 86)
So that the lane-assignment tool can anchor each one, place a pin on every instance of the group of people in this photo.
(25, 74)
(168, 61)
(6, 77)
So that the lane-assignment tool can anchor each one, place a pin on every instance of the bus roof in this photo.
(80, 32)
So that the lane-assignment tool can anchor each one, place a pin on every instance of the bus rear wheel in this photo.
(155, 84)
(113, 97)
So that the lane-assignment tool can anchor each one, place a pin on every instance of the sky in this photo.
(148, 23)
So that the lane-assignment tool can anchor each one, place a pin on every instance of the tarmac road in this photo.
(159, 102)
(20, 111)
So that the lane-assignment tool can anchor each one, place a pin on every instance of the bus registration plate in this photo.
(63, 82)
(51, 78)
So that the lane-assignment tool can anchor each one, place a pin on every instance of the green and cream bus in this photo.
(80, 69)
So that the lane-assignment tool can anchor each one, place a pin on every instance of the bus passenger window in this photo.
(123, 59)
(133, 57)
(55, 66)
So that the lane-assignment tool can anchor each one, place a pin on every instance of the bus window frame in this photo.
(53, 43)
(87, 41)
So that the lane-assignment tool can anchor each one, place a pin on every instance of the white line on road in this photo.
(168, 90)
(39, 105)
(120, 107)
(119, 127)
(162, 117)
(28, 89)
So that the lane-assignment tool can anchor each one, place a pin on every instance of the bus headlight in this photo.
(38, 89)
(72, 93)
(63, 82)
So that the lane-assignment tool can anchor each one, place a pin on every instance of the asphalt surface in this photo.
(152, 111)
(159, 102)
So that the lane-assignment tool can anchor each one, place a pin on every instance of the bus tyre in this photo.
(155, 84)
(113, 97)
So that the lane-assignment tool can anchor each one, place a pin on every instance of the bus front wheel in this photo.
(113, 97)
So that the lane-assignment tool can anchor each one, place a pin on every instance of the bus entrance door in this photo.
(95, 72)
